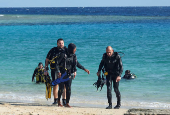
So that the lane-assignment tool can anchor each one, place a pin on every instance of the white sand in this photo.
(11, 108)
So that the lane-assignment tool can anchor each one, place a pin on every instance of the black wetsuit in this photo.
(51, 55)
(113, 65)
(69, 62)
(127, 76)
(39, 73)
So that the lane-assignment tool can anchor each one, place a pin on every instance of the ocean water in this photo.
(141, 33)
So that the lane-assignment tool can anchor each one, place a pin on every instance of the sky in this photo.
(82, 3)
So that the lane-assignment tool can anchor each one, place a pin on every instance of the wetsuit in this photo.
(39, 73)
(80, 66)
(53, 55)
(113, 65)
(69, 62)
(127, 76)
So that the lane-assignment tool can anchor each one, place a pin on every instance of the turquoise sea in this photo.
(26, 38)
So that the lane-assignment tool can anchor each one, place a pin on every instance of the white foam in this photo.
(146, 104)
(1, 15)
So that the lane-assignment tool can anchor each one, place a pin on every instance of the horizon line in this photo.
(78, 6)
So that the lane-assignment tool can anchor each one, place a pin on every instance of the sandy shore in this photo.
(40, 109)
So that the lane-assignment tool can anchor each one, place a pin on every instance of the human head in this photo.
(72, 48)
(60, 43)
(40, 65)
(109, 51)
(127, 72)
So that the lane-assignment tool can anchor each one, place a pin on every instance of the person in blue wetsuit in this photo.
(113, 65)
(68, 62)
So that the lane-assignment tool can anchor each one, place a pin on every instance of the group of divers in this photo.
(63, 63)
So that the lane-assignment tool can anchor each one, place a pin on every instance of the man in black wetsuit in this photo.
(68, 62)
(52, 55)
(113, 65)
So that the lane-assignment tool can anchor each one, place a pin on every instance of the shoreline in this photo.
(87, 104)
(19, 108)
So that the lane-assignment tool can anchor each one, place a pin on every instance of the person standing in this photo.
(51, 58)
(112, 63)
(69, 63)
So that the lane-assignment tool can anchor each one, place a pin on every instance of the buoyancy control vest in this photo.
(111, 63)
(55, 57)
(71, 62)
(68, 63)
(39, 75)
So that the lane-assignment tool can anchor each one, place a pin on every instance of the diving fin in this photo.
(49, 91)
(100, 82)
(48, 87)
(46, 93)
(59, 80)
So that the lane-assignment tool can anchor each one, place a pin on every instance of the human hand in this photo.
(33, 79)
(45, 72)
(59, 75)
(98, 73)
(118, 78)
(75, 74)
(86, 70)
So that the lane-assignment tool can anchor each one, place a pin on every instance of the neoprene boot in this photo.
(118, 105)
(110, 106)
(118, 102)
(64, 102)
(55, 101)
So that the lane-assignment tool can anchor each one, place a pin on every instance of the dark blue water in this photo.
(117, 11)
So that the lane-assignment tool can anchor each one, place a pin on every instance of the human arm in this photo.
(48, 58)
(34, 74)
(81, 67)
(46, 66)
(60, 61)
(119, 69)
(101, 65)
(74, 65)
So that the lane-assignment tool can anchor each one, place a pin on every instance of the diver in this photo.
(68, 63)
(113, 65)
(39, 73)
(52, 55)
(129, 75)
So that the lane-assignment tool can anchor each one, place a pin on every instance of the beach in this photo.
(39, 109)
(140, 35)
(11, 108)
